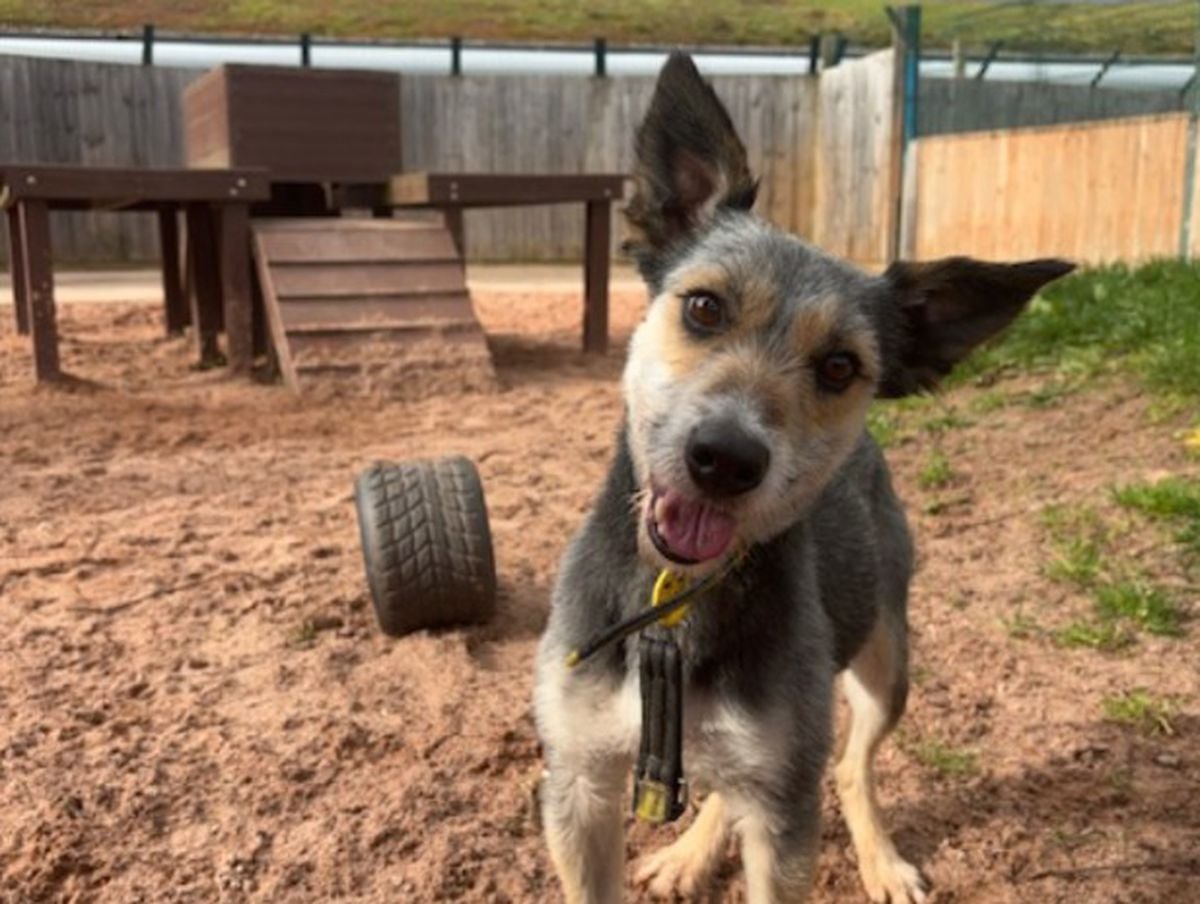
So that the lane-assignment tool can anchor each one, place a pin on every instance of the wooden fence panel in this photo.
(1092, 193)
(63, 111)
(568, 124)
(855, 190)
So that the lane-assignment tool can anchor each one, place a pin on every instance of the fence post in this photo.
(148, 45)
(456, 56)
(992, 53)
(600, 47)
(305, 49)
(1104, 67)
(1189, 163)
(814, 53)
(906, 45)
(833, 48)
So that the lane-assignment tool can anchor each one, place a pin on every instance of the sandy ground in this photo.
(174, 728)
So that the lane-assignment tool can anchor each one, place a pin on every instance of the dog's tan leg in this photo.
(684, 868)
(874, 686)
(777, 872)
(581, 812)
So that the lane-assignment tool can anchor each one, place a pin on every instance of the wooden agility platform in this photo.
(380, 305)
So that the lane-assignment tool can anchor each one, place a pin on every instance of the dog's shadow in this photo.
(1121, 786)
(522, 360)
(522, 607)
(1052, 811)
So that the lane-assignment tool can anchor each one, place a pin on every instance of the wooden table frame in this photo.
(215, 203)
(452, 193)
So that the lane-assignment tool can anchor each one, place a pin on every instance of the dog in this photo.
(744, 455)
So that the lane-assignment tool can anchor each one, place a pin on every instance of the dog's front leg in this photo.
(779, 853)
(582, 815)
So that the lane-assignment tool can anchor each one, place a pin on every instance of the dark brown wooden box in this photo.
(304, 125)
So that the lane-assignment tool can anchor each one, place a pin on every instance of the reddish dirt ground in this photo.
(195, 704)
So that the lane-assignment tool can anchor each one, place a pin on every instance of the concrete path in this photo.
(146, 285)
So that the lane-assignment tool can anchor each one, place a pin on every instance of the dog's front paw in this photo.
(890, 879)
(680, 870)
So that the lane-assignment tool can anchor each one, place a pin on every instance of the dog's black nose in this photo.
(725, 460)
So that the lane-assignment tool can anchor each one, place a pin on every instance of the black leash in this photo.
(660, 612)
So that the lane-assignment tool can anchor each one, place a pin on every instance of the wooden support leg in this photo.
(453, 217)
(234, 248)
(204, 283)
(34, 220)
(596, 243)
(16, 266)
(174, 295)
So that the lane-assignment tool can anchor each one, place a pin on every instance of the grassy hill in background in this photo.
(1145, 26)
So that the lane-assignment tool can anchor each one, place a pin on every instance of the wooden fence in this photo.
(59, 111)
(857, 161)
(568, 124)
(1092, 193)
(826, 149)
(801, 133)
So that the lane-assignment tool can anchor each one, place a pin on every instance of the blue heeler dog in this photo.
(744, 455)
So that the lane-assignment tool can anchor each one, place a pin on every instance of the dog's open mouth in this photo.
(688, 531)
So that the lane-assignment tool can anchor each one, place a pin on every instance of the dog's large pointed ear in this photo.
(690, 162)
(948, 307)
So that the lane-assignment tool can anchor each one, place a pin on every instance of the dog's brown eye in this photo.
(836, 371)
(704, 313)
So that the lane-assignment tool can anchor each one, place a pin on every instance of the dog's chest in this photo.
(724, 744)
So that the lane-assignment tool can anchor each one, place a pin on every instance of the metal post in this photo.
(906, 37)
(912, 70)
(1105, 66)
(601, 50)
(456, 56)
(147, 45)
(814, 53)
(1189, 163)
(960, 60)
(305, 49)
(992, 53)
(839, 48)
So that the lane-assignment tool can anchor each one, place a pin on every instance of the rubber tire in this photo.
(426, 544)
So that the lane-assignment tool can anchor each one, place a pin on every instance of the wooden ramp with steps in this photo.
(379, 304)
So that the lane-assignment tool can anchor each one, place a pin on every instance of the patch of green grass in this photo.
(943, 421)
(1132, 26)
(1107, 636)
(1173, 499)
(304, 636)
(1150, 608)
(1124, 600)
(1021, 627)
(1142, 710)
(1048, 395)
(1077, 535)
(936, 472)
(987, 402)
(1139, 319)
(944, 759)
(884, 424)
(1077, 562)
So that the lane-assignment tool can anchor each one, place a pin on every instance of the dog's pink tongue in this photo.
(692, 529)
